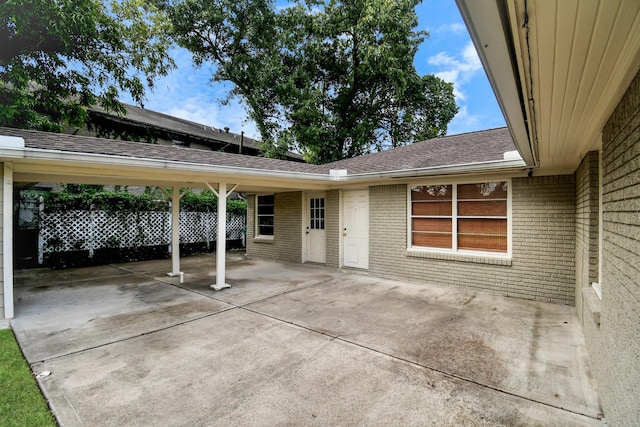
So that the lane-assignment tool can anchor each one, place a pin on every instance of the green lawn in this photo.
(21, 403)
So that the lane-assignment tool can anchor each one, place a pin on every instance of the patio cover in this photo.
(33, 156)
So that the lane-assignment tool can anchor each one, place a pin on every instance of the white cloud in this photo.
(458, 70)
(465, 122)
(204, 111)
(188, 94)
(453, 28)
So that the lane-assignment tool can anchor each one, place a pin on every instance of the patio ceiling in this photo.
(558, 68)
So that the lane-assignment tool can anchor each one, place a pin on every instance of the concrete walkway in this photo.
(295, 345)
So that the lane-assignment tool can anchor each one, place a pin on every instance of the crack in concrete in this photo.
(142, 274)
(332, 337)
(421, 365)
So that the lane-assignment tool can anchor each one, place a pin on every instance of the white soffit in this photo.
(583, 56)
(486, 22)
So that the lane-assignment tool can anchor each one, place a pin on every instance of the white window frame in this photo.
(256, 217)
(454, 217)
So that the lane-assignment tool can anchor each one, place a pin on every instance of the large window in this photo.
(460, 217)
(264, 215)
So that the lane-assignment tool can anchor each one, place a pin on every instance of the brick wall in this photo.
(332, 227)
(543, 261)
(614, 346)
(587, 233)
(286, 245)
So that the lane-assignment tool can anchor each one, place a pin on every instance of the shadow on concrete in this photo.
(295, 344)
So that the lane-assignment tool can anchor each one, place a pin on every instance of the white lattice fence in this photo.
(91, 230)
(196, 227)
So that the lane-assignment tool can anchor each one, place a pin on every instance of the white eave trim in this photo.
(490, 35)
(468, 168)
(56, 156)
(123, 161)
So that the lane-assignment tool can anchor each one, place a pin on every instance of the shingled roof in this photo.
(470, 148)
(218, 139)
(141, 150)
(467, 148)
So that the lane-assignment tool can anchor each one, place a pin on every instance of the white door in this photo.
(355, 230)
(315, 234)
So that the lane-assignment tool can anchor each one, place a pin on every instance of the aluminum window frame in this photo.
(454, 250)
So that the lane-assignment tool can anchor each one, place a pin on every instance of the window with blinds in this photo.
(431, 216)
(460, 217)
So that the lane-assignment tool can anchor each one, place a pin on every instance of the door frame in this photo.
(305, 221)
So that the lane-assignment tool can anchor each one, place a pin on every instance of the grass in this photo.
(21, 402)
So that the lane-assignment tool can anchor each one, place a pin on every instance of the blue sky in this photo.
(448, 53)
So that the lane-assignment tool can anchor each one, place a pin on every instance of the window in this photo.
(316, 213)
(460, 217)
(264, 215)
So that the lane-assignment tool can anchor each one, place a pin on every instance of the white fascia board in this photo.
(485, 20)
(88, 159)
(122, 161)
(468, 168)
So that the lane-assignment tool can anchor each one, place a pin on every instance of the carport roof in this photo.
(72, 158)
(142, 150)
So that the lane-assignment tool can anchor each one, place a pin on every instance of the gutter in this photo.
(467, 168)
(115, 160)
(490, 30)
(330, 176)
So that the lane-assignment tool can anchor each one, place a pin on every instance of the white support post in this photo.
(7, 239)
(175, 234)
(221, 238)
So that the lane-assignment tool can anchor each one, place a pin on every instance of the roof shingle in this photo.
(469, 148)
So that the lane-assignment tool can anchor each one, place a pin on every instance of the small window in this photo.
(460, 217)
(316, 213)
(264, 215)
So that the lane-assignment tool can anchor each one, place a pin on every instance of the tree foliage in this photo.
(332, 79)
(60, 56)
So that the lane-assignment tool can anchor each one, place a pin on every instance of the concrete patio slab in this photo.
(244, 276)
(50, 277)
(527, 348)
(55, 320)
(239, 368)
(298, 345)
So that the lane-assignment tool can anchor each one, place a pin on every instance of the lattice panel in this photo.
(196, 227)
(28, 214)
(236, 225)
(91, 230)
(64, 231)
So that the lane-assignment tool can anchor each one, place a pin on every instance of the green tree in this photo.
(332, 79)
(60, 56)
